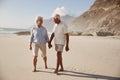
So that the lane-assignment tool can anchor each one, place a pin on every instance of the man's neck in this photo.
(59, 22)
(39, 26)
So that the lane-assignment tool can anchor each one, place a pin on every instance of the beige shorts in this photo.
(59, 47)
(38, 47)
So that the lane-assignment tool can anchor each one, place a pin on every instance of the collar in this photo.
(39, 27)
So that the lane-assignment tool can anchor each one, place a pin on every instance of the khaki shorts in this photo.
(42, 47)
(59, 47)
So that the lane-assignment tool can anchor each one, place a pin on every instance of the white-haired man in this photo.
(61, 37)
(39, 37)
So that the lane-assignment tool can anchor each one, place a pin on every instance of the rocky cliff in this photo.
(103, 18)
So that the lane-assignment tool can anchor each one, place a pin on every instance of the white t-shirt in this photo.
(60, 30)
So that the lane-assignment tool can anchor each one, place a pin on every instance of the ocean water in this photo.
(11, 30)
(15, 30)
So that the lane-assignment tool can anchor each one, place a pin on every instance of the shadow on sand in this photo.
(81, 74)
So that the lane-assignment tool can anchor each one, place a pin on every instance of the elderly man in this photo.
(61, 35)
(39, 37)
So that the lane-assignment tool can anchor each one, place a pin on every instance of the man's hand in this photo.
(51, 38)
(67, 48)
(67, 42)
(30, 47)
(49, 45)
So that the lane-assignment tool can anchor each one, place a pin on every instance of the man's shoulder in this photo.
(43, 27)
(63, 24)
(33, 27)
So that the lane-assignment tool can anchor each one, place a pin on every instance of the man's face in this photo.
(57, 20)
(39, 22)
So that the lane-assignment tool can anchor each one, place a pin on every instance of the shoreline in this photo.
(28, 34)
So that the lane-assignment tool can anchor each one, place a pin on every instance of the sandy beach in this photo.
(89, 58)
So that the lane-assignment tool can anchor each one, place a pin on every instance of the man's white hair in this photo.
(39, 18)
(57, 16)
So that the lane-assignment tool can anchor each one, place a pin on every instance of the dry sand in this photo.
(89, 58)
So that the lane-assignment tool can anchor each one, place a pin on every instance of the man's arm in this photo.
(51, 38)
(46, 37)
(67, 42)
(31, 40)
(30, 46)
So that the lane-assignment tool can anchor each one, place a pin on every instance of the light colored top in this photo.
(59, 31)
(39, 35)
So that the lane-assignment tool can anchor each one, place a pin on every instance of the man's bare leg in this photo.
(34, 63)
(58, 62)
(45, 62)
(61, 63)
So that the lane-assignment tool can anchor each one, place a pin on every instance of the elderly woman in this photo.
(39, 38)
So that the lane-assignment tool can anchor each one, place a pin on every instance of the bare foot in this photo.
(46, 67)
(34, 70)
(61, 70)
(56, 71)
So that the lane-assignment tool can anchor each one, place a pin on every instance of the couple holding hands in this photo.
(39, 38)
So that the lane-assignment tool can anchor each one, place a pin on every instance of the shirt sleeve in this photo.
(31, 36)
(65, 29)
(54, 28)
(46, 37)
